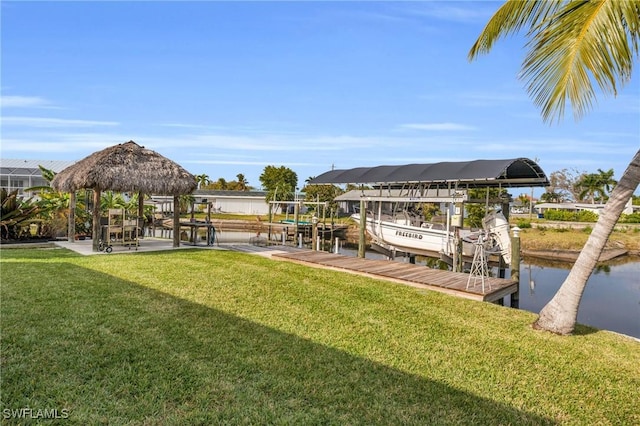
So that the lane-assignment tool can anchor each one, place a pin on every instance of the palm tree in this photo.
(111, 200)
(596, 185)
(573, 44)
(589, 186)
(607, 181)
(202, 180)
(551, 197)
(243, 184)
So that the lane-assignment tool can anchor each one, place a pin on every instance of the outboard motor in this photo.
(498, 226)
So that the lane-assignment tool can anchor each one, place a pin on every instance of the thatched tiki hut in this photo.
(126, 167)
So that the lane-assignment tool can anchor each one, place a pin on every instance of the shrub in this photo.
(522, 224)
(565, 215)
(630, 218)
(16, 214)
(587, 216)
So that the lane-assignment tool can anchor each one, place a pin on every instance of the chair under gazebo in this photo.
(126, 167)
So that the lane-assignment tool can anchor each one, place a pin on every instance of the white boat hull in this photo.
(429, 241)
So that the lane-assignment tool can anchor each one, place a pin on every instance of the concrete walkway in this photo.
(148, 244)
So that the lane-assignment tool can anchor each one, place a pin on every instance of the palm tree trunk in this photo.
(560, 314)
(176, 221)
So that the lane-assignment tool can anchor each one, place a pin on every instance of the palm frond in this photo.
(510, 19)
(575, 47)
(585, 43)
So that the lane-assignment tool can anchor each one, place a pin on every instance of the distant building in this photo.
(22, 174)
(576, 207)
(236, 202)
(240, 202)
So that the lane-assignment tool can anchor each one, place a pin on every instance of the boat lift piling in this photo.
(515, 266)
(362, 228)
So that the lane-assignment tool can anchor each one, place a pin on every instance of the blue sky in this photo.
(230, 87)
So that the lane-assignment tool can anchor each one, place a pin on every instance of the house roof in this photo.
(228, 193)
(518, 172)
(21, 167)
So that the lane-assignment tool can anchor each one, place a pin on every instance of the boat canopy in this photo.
(518, 172)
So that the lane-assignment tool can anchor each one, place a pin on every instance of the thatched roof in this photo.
(126, 167)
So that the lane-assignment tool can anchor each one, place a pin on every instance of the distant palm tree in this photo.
(551, 197)
(221, 184)
(243, 184)
(572, 44)
(202, 180)
(607, 180)
(596, 185)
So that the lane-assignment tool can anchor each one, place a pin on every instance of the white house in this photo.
(576, 207)
(236, 202)
(22, 174)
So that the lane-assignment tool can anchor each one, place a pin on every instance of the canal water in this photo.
(611, 300)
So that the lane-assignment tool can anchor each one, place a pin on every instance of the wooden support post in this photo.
(176, 221)
(71, 229)
(141, 219)
(502, 266)
(363, 224)
(270, 221)
(515, 266)
(297, 239)
(97, 231)
(458, 260)
(314, 233)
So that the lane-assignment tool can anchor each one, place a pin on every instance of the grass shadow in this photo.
(111, 351)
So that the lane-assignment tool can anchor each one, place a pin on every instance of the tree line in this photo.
(571, 185)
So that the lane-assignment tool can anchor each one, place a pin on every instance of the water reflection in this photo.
(610, 301)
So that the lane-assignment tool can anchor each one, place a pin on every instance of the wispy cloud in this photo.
(24, 102)
(53, 122)
(449, 12)
(192, 126)
(265, 142)
(456, 127)
(492, 98)
(71, 146)
(246, 163)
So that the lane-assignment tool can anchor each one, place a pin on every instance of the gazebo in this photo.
(126, 167)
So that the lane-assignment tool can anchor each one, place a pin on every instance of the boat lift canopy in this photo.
(508, 173)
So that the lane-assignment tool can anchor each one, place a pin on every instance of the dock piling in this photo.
(515, 265)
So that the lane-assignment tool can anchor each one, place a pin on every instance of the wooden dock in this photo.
(419, 276)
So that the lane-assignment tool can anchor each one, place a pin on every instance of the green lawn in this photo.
(210, 337)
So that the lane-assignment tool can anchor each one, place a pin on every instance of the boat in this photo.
(406, 231)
